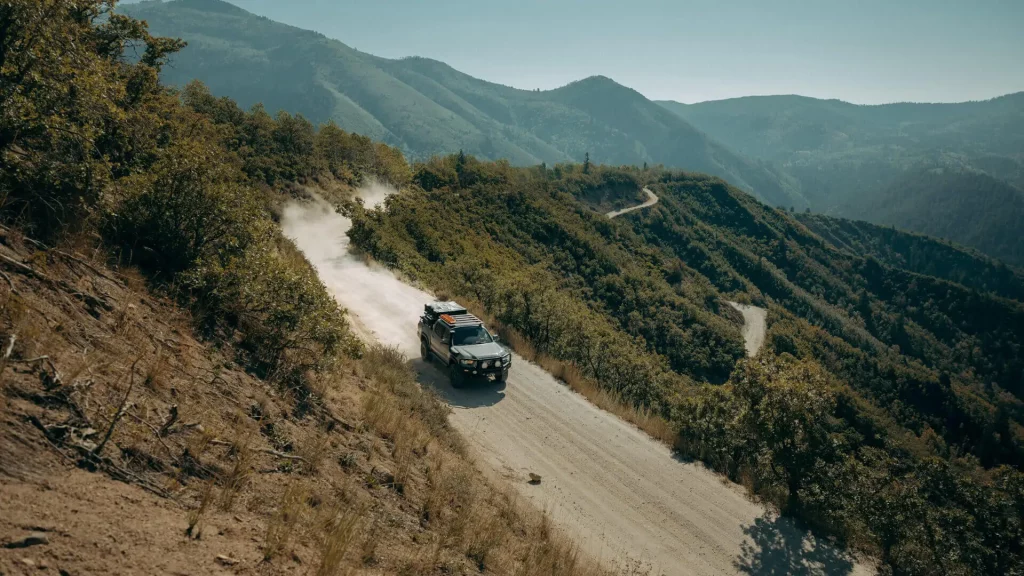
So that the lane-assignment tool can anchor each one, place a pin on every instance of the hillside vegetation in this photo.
(949, 170)
(425, 107)
(180, 392)
(882, 393)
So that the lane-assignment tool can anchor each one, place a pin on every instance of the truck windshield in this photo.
(470, 336)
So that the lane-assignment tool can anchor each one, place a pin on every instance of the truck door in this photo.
(441, 341)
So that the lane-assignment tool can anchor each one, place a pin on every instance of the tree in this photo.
(586, 163)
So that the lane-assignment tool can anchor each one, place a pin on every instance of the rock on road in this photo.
(619, 493)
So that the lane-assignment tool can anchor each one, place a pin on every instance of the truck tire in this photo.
(424, 350)
(502, 377)
(455, 375)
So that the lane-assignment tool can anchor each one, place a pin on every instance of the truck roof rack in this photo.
(460, 320)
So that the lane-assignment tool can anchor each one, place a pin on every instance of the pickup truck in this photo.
(459, 340)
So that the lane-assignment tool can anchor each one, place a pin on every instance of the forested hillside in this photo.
(882, 394)
(920, 254)
(425, 107)
(949, 170)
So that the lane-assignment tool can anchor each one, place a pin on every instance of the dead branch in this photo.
(7, 353)
(156, 431)
(32, 360)
(120, 410)
(81, 261)
(273, 453)
(172, 418)
(25, 268)
(9, 282)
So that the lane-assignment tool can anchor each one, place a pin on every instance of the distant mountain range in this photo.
(829, 156)
(426, 107)
(950, 170)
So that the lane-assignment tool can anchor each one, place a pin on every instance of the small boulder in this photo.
(33, 539)
(382, 476)
(534, 478)
(226, 560)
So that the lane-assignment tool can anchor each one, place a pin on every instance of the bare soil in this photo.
(263, 475)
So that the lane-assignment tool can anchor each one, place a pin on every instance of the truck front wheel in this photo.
(503, 376)
(424, 350)
(456, 376)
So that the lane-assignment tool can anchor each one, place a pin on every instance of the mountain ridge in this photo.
(426, 107)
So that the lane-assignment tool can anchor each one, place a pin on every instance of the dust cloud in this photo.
(380, 306)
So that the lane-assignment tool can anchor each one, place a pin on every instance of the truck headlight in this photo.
(467, 362)
(507, 359)
(486, 364)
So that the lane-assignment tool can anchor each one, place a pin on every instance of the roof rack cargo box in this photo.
(435, 309)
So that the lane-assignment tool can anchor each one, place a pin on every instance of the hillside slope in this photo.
(425, 107)
(179, 393)
(621, 492)
(886, 376)
(942, 169)
(972, 209)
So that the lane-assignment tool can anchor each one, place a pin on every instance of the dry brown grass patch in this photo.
(282, 523)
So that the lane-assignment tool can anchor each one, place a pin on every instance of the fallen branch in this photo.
(345, 425)
(9, 282)
(172, 418)
(10, 346)
(274, 453)
(31, 360)
(120, 410)
(25, 268)
(7, 354)
(156, 431)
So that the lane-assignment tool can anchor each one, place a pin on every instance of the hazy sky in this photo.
(864, 51)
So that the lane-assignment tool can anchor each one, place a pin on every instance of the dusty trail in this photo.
(754, 326)
(622, 494)
(652, 199)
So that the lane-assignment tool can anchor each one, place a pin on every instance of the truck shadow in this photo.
(478, 394)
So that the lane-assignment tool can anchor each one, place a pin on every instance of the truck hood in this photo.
(480, 351)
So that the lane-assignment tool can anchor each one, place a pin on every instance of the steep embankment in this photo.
(620, 492)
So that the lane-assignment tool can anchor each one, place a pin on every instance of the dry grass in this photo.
(286, 518)
(195, 515)
(313, 447)
(238, 476)
(643, 418)
(338, 536)
(469, 518)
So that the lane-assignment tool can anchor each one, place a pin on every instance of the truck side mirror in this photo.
(496, 336)
(446, 340)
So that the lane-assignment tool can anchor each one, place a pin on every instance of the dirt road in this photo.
(754, 326)
(652, 199)
(620, 493)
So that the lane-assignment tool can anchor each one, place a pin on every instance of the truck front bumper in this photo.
(478, 372)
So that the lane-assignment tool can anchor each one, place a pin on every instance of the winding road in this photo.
(652, 199)
(622, 495)
(754, 327)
